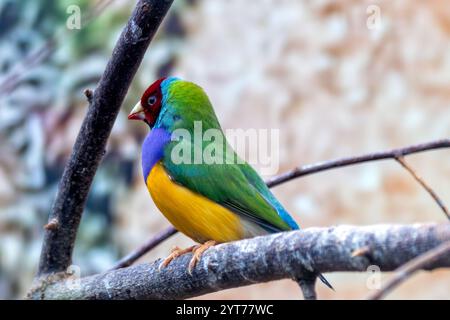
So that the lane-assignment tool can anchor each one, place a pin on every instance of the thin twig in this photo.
(13, 78)
(19, 71)
(409, 268)
(278, 256)
(422, 182)
(311, 169)
(343, 162)
(146, 247)
(56, 255)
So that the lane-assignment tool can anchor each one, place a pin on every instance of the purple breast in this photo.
(153, 149)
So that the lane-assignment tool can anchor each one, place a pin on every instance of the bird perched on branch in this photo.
(200, 185)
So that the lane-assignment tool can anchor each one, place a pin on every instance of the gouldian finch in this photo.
(209, 202)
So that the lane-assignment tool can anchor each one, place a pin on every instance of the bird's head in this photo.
(149, 107)
(173, 103)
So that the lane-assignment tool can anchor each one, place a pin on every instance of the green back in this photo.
(234, 185)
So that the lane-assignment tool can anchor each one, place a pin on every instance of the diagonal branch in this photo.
(146, 247)
(284, 255)
(19, 71)
(409, 268)
(348, 161)
(422, 182)
(397, 154)
(90, 144)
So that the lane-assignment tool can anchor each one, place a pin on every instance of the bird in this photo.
(220, 200)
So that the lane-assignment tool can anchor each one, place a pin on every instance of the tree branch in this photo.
(308, 287)
(284, 255)
(90, 144)
(422, 182)
(17, 74)
(409, 268)
(348, 161)
(146, 247)
(397, 154)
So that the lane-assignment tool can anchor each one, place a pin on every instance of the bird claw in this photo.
(197, 251)
(197, 254)
(176, 252)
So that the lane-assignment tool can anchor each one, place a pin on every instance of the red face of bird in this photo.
(148, 108)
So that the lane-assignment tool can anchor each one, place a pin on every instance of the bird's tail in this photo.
(325, 281)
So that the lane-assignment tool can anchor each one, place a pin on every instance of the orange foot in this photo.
(197, 251)
(176, 252)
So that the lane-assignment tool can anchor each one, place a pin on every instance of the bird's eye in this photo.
(151, 100)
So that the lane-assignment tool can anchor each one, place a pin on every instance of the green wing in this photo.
(235, 186)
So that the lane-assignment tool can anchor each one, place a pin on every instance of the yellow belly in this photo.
(191, 213)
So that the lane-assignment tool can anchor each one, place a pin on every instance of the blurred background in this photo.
(337, 78)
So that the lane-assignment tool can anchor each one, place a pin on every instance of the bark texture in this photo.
(285, 255)
(89, 148)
